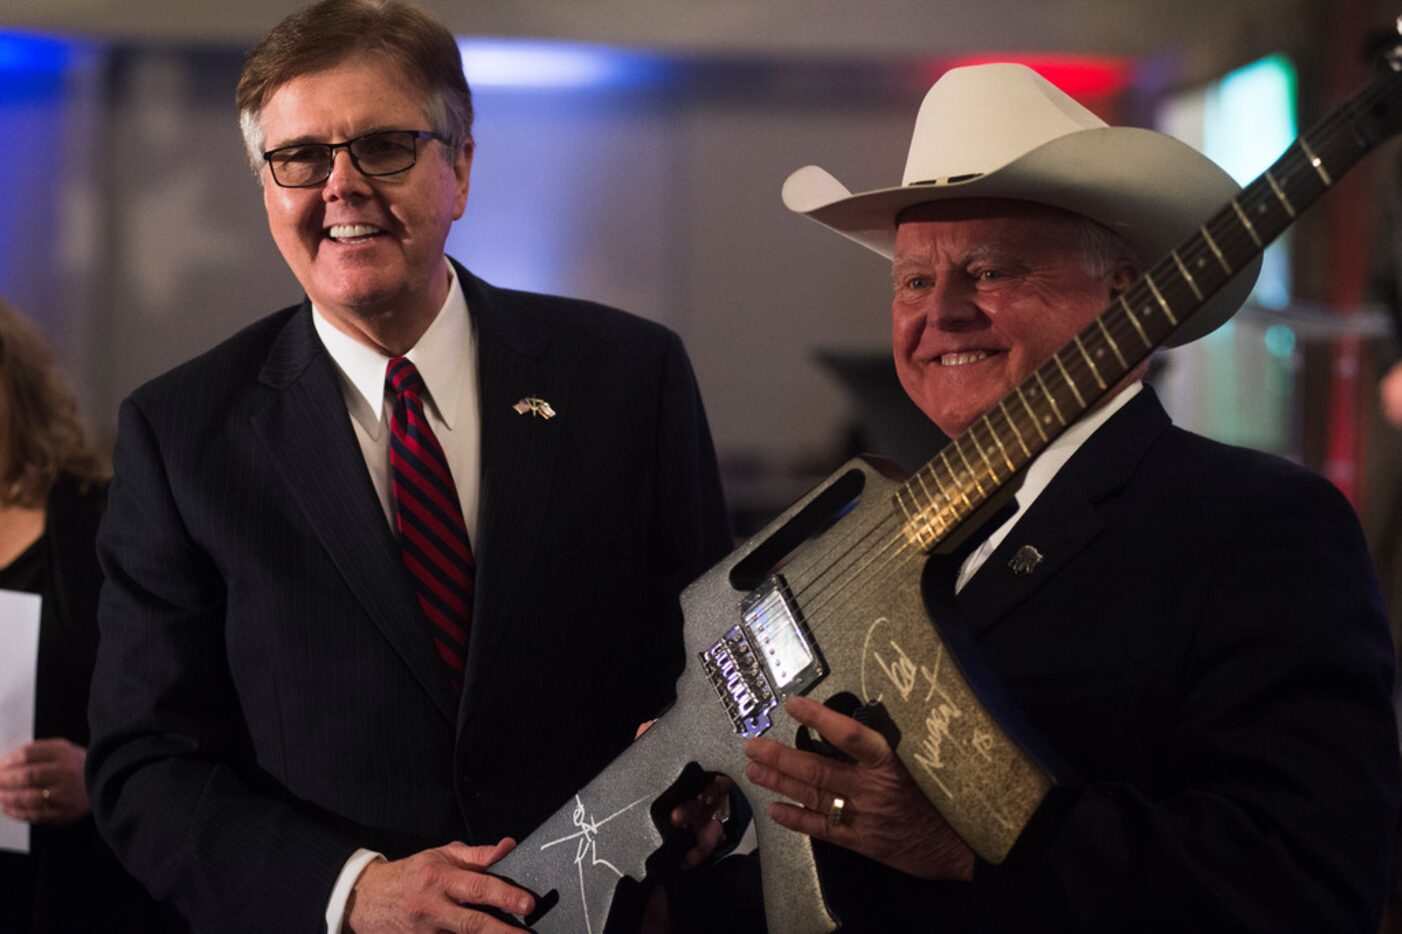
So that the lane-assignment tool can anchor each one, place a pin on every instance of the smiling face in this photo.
(368, 251)
(986, 291)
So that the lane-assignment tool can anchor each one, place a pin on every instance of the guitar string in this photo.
(1234, 235)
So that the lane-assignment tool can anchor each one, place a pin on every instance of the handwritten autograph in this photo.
(944, 720)
(587, 847)
(905, 676)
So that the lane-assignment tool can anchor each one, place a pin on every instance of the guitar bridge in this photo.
(767, 656)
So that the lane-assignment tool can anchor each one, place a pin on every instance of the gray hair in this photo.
(1100, 245)
(327, 33)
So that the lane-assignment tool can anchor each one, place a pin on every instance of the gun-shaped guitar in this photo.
(827, 600)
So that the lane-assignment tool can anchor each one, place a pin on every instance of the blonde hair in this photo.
(41, 434)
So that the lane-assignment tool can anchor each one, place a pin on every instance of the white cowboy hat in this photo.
(1004, 131)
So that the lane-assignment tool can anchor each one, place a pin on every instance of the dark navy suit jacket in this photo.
(266, 696)
(1204, 648)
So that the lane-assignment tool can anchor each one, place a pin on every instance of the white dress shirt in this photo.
(446, 358)
(1040, 473)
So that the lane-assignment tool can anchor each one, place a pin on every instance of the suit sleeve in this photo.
(1279, 791)
(692, 530)
(173, 784)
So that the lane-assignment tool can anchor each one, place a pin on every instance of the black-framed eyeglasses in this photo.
(384, 152)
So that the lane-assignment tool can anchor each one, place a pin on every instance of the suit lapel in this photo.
(1066, 517)
(520, 454)
(308, 435)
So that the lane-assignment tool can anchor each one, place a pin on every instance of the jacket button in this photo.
(469, 786)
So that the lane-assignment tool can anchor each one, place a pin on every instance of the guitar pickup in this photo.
(767, 656)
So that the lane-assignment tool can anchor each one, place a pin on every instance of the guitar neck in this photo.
(974, 467)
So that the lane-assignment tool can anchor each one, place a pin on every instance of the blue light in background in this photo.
(23, 53)
(569, 137)
(508, 63)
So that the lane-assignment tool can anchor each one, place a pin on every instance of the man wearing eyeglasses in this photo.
(395, 567)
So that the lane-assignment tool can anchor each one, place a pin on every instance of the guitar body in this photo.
(873, 641)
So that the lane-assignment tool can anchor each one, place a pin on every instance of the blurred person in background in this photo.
(52, 490)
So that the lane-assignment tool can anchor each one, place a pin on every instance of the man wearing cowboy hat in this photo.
(1193, 630)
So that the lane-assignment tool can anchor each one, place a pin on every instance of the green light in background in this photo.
(1249, 120)
(1280, 341)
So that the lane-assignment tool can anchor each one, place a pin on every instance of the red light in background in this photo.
(1084, 77)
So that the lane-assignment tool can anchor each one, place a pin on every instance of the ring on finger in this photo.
(837, 811)
(47, 795)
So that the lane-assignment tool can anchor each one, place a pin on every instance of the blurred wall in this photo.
(134, 231)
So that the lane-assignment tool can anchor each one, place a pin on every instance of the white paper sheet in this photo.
(19, 664)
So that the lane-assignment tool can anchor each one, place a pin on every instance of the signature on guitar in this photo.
(904, 675)
(587, 847)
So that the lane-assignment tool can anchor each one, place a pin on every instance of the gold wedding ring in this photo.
(46, 794)
(838, 809)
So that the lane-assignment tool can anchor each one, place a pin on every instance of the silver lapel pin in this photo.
(1025, 560)
(534, 406)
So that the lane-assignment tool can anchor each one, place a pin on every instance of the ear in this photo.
(462, 171)
(1121, 276)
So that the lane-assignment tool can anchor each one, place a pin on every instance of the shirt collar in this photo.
(440, 356)
(1050, 461)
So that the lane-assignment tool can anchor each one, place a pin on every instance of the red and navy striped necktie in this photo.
(432, 534)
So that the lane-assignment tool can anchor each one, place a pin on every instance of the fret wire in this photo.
(1003, 407)
(1036, 422)
(1176, 291)
(945, 485)
(1158, 325)
(986, 421)
(1098, 346)
(1095, 370)
(1012, 468)
(1215, 250)
(1239, 243)
(1149, 281)
(1257, 197)
(982, 453)
(1069, 381)
(1265, 208)
(1113, 345)
(1197, 256)
(1316, 162)
(1291, 173)
(1084, 366)
(1127, 336)
(919, 477)
(954, 476)
(959, 449)
(909, 519)
(1187, 276)
(1129, 313)
(1046, 394)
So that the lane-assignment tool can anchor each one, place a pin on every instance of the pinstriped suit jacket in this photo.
(266, 697)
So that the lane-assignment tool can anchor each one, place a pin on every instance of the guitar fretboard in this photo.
(973, 467)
